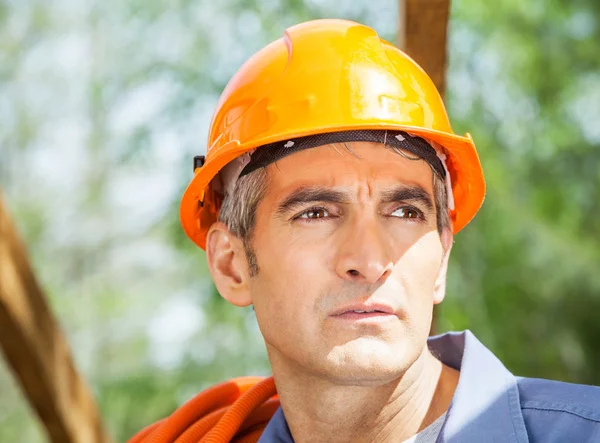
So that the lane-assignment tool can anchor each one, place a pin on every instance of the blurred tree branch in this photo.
(38, 352)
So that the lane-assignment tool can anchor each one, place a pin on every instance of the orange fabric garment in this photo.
(234, 411)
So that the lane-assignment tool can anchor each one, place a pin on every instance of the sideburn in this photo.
(253, 268)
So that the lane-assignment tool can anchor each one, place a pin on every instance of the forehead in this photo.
(365, 163)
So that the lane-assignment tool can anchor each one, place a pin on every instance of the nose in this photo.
(364, 255)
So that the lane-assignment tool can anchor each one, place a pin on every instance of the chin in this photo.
(368, 363)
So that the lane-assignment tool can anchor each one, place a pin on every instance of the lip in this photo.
(347, 311)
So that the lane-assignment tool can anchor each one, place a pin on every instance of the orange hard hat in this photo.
(327, 76)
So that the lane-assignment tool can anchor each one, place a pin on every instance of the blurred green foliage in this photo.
(104, 104)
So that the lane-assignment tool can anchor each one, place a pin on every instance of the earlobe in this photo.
(226, 263)
(439, 292)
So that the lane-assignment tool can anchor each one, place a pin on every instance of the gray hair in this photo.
(238, 210)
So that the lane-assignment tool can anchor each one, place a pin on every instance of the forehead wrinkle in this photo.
(347, 174)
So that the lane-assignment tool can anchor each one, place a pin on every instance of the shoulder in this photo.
(582, 400)
(554, 411)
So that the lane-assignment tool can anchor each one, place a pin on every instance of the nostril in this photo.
(353, 272)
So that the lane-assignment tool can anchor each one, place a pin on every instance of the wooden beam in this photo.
(37, 350)
(423, 35)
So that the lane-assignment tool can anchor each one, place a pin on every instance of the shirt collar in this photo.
(485, 406)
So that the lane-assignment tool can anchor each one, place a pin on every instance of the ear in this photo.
(227, 264)
(439, 291)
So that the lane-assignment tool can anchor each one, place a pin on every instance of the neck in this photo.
(320, 410)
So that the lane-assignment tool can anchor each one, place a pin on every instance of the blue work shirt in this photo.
(491, 405)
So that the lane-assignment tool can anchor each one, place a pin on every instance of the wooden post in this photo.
(423, 35)
(37, 350)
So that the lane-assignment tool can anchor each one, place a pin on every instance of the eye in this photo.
(407, 212)
(313, 214)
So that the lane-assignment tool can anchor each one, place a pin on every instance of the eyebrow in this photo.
(312, 194)
(404, 193)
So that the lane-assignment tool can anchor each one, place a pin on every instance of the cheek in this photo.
(295, 259)
(288, 283)
(419, 268)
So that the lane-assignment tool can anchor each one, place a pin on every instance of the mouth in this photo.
(364, 311)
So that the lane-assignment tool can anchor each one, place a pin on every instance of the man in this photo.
(328, 200)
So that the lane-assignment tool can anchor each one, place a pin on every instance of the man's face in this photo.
(337, 234)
